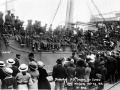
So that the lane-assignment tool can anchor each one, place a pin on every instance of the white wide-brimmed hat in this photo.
(2, 63)
(40, 63)
(23, 68)
(10, 61)
(8, 71)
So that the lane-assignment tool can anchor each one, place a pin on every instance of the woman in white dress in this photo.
(23, 78)
(34, 74)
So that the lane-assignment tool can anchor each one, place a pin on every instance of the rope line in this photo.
(56, 12)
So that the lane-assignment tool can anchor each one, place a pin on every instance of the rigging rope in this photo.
(98, 10)
(100, 15)
(90, 11)
(56, 12)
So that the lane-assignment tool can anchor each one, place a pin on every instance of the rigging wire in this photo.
(90, 11)
(98, 10)
(56, 12)
(100, 15)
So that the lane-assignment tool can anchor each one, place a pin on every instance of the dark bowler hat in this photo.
(17, 54)
(59, 61)
(31, 54)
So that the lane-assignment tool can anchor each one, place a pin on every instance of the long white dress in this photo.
(23, 79)
(34, 75)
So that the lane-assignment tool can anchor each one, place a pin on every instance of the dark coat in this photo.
(111, 65)
(80, 72)
(9, 83)
(59, 72)
(15, 70)
(118, 64)
(2, 74)
(103, 72)
(17, 63)
(70, 73)
(43, 83)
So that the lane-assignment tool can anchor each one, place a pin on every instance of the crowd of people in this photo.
(16, 76)
(73, 73)
(78, 73)
(96, 63)
(38, 38)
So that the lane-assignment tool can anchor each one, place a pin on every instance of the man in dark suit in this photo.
(17, 63)
(59, 75)
(111, 67)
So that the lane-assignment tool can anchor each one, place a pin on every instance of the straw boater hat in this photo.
(2, 64)
(40, 63)
(33, 65)
(10, 61)
(23, 68)
(8, 71)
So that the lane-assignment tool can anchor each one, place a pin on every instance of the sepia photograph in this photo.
(59, 45)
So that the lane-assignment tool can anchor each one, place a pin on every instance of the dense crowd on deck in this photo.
(39, 38)
(96, 63)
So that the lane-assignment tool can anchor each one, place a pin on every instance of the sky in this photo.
(44, 10)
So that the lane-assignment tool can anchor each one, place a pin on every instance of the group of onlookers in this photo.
(21, 76)
(77, 73)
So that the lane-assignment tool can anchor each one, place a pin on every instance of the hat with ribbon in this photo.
(8, 71)
(33, 65)
(2, 64)
(23, 68)
(40, 63)
(10, 61)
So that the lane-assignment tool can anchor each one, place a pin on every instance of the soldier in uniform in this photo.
(8, 21)
(12, 23)
(29, 28)
(1, 22)
(1, 29)
(17, 24)
(35, 26)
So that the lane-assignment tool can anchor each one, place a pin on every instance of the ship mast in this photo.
(6, 6)
(9, 5)
(69, 13)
